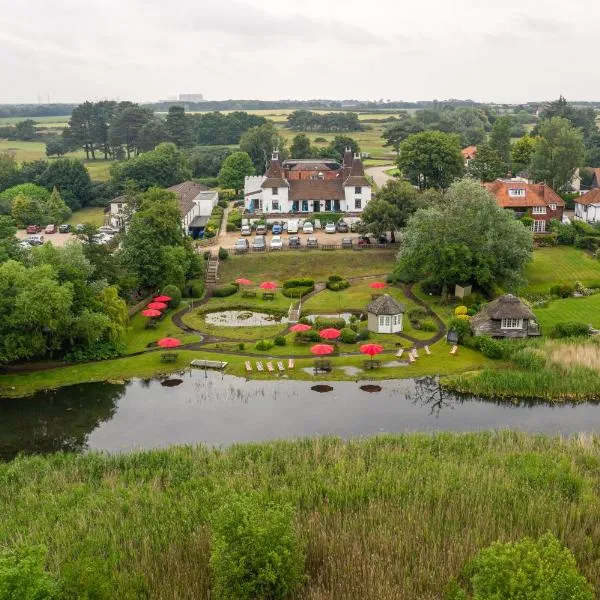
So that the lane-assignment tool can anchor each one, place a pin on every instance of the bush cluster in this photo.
(562, 291)
(565, 330)
(308, 336)
(296, 288)
(348, 336)
(297, 292)
(264, 344)
(462, 328)
(280, 340)
(329, 322)
(223, 254)
(336, 283)
(223, 291)
(174, 293)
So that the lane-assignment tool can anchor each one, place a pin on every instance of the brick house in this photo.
(537, 200)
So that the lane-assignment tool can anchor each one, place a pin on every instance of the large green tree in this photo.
(301, 147)
(179, 127)
(466, 238)
(8, 241)
(380, 217)
(500, 138)
(72, 180)
(29, 190)
(235, 168)
(260, 142)
(431, 159)
(558, 153)
(9, 171)
(126, 126)
(522, 153)
(404, 196)
(487, 164)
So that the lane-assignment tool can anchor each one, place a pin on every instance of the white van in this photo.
(292, 227)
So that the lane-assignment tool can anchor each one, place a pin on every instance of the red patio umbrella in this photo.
(268, 285)
(371, 349)
(162, 299)
(242, 281)
(157, 305)
(330, 334)
(169, 342)
(322, 349)
(151, 312)
(377, 285)
(300, 328)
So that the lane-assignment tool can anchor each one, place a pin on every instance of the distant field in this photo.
(92, 214)
(46, 121)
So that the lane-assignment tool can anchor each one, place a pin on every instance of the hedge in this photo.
(223, 291)
(564, 330)
(329, 323)
(300, 282)
(297, 292)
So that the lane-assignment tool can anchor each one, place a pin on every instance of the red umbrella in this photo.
(300, 328)
(162, 299)
(330, 334)
(169, 343)
(377, 285)
(268, 285)
(157, 305)
(242, 281)
(371, 349)
(151, 312)
(322, 349)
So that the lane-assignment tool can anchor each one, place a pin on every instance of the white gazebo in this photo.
(385, 315)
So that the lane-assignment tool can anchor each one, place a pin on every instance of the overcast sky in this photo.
(144, 50)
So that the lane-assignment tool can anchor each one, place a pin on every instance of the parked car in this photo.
(346, 242)
(241, 245)
(355, 226)
(107, 229)
(246, 230)
(50, 229)
(292, 227)
(35, 240)
(308, 227)
(277, 228)
(312, 242)
(261, 229)
(258, 243)
(64, 228)
(363, 240)
(276, 243)
(294, 241)
(33, 229)
(330, 228)
(342, 226)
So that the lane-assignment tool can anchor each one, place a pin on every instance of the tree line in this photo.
(305, 120)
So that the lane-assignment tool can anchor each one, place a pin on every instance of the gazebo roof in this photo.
(385, 305)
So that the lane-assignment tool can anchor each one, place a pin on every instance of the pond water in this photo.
(242, 318)
(213, 408)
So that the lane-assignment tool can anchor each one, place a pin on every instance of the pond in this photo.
(242, 318)
(213, 408)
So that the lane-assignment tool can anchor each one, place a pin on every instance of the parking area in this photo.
(57, 239)
(228, 240)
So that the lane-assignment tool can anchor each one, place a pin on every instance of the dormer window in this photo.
(538, 210)
(552, 206)
(516, 192)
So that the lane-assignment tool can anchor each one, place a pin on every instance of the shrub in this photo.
(97, 350)
(297, 292)
(226, 195)
(462, 328)
(489, 347)
(255, 552)
(264, 345)
(587, 242)
(308, 336)
(562, 291)
(460, 310)
(348, 336)
(174, 293)
(226, 290)
(23, 575)
(231, 227)
(566, 234)
(428, 325)
(223, 203)
(334, 278)
(363, 335)
(335, 283)
(206, 254)
(524, 569)
(299, 282)
(241, 346)
(564, 330)
(280, 341)
(223, 254)
(545, 240)
(326, 323)
(527, 221)
(197, 290)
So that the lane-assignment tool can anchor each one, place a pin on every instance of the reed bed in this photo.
(390, 517)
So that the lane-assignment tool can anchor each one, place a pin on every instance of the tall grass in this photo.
(391, 517)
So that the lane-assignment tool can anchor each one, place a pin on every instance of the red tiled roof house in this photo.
(537, 200)
(587, 207)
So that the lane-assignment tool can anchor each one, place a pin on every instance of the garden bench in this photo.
(168, 357)
(268, 296)
(248, 294)
(322, 365)
(371, 364)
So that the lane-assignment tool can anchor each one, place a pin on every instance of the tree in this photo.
(395, 134)
(30, 190)
(558, 153)
(260, 142)
(78, 134)
(301, 147)
(8, 241)
(404, 197)
(500, 138)
(126, 126)
(55, 147)
(55, 210)
(9, 171)
(431, 159)
(487, 164)
(235, 168)
(582, 118)
(72, 180)
(522, 153)
(25, 130)
(530, 569)
(467, 238)
(179, 127)
(255, 552)
(26, 211)
(379, 217)
(163, 167)
(151, 134)
(337, 147)
(206, 162)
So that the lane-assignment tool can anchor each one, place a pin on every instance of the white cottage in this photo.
(587, 207)
(385, 315)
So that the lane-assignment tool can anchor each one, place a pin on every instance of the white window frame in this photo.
(381, 321)
(538, 210)
(516, 192)
(388, 321)
(552, 206)
(539, 227)
(511, 324)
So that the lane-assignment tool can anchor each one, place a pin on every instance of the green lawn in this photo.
(581, 310)
(196, 320)
(560, 265)
(318, 264)
(91, 214)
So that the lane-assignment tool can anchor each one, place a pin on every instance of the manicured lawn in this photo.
(138, 337)
(196, 320)
(581, 310)
(319, 265)
(99, 170)
(279, 302)
(91, 214)
(560, 265)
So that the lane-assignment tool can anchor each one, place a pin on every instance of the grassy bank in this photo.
(391, 517)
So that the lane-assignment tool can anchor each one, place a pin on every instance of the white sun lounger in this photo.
(259, 366)
(291, 363)
(411, 358)
(400, 353)
(280, 366)
(270, 367)
(427, 351)
(415, 353)
(248, 366)
(454, 350)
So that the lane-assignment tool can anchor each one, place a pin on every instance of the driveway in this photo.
(379, 175)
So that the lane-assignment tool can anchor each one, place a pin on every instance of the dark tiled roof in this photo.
(316, 189)
(311, 165)
(591, 197)
(536, 194)
(186, 193)
(508, 307)
(275, 175)
(356, 182)
(385, 305)
(273, 182)
(357, 168)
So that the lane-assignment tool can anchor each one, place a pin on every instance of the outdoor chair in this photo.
(259, 366)
(248, 366)
(415, 353)
(411, 358)
(280, 366)
(400, 353)
(291, 363)
(427, 351)
(270, 367)
(454, 350)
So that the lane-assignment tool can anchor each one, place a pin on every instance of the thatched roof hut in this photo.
(507, 316)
